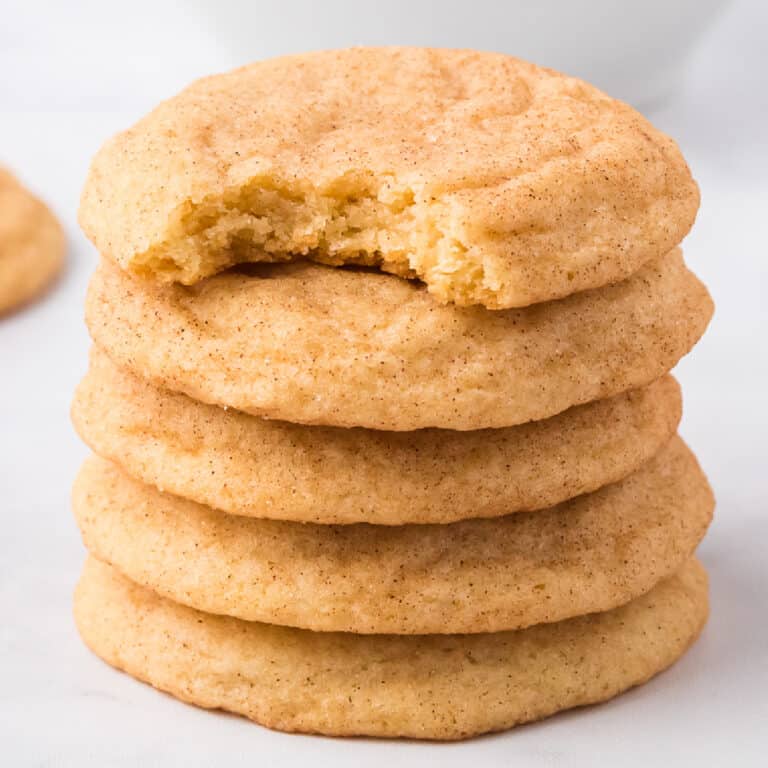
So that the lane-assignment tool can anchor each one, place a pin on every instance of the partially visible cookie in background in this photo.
(31, 244)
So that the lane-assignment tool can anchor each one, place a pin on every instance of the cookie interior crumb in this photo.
(359, 220)
(494, 181)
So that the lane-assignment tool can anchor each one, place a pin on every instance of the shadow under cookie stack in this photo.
(385, 436)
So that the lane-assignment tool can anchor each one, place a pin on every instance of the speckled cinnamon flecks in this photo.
(588, 554)
(273, 469)
(424, 687)
(318, 345)
(495, 181)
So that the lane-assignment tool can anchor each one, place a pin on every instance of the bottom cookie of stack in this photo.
(420, 686)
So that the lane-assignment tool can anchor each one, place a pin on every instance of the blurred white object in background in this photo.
(88, 55)
(635, 50)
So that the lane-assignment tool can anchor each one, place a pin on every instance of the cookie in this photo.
(424, 687)
(31, 244)
(588, 554)
(494, 181)
(250, 466)
(317, 345)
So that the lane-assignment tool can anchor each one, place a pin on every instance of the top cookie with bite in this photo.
(494, 181)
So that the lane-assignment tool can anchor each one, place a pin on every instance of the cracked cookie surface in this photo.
(494, 181)
(587, 554)
(250, 466)
(424, 687)
(312, 344)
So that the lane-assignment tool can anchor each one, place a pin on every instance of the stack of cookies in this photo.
(386, 441)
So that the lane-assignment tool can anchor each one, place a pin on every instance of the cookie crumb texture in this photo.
(425, 687)
(494, 181)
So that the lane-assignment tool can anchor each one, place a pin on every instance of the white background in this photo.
(73, 73)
